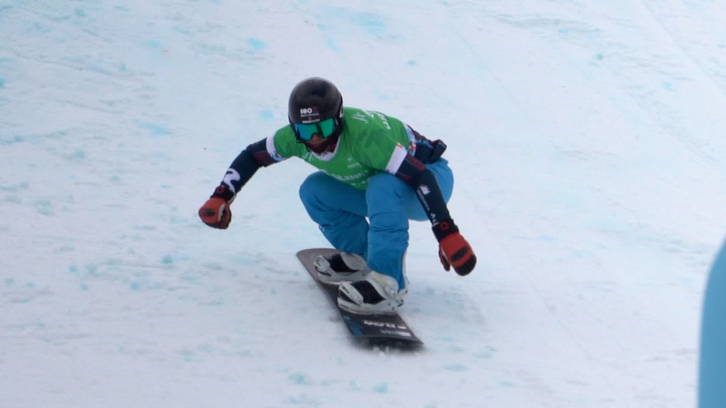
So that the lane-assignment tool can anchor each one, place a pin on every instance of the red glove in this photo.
(454, 250)
(215, 212)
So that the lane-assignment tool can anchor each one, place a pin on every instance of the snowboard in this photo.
(380, 330)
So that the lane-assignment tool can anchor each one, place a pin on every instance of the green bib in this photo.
(366, 147)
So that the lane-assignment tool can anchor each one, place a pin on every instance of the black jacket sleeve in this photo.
(244, 166)
(413, 172)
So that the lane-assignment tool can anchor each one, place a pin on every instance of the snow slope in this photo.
(589, 145)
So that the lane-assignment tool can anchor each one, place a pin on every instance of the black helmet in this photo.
(316, 107)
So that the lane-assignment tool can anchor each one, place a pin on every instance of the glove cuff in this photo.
(224, 193)
(444, 228)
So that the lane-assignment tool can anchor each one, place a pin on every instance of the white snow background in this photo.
(588, 140)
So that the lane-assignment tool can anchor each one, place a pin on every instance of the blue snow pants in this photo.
(712, 366)
(372, 223)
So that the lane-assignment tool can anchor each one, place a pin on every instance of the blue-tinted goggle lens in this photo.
(324, 129)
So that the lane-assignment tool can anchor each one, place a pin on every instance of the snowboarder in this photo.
(376, 174)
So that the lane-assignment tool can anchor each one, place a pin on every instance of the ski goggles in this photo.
(324, 129)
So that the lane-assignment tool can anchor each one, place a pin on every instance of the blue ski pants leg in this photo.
(372, 223)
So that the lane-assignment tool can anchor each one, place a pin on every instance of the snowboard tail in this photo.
(385, 330)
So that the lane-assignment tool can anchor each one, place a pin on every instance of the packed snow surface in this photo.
(588, 141)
